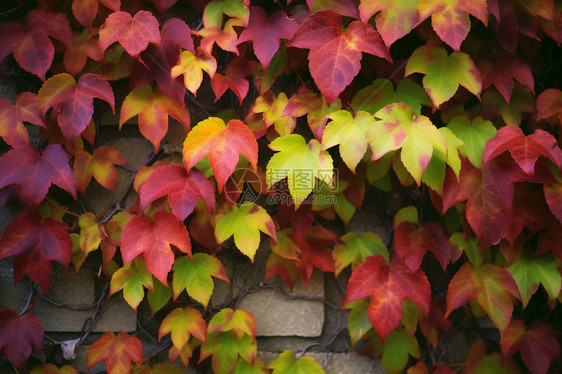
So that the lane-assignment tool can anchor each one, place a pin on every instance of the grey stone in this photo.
(12, 295)
(336, 363)
(281, 312)
(367, 221)
(116, 315)
(69, 288)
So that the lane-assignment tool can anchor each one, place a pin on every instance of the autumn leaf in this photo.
(225, 349)
(191, 66)
(381, 93)
(450, 19)
(397, 347)
(520, 106)
(194, 276)
(32, 48)
(222, 144)
(52, 369)
(314, 107)
(225, 37)
(489, 196)
(287, 363)
(490, 285)
(356, 248)
(182, 188)
(240, 322)
(537, 345)
(26, 109)
(529, 271)
(548, 104)
(233, 78)
(525, 150)
(273, 108)
(335, 55)
(478, 362)
(501, 74)
(394, 19)
(266, 33)
(350, 132)
(18, 334)
(133, 33)
(132, 278)
(216, 9)
(444, 73)
(83, 46)
(388, 285)
(398, 127)
(153, 109)
(34, 243)
(474, 135)
(244, 222)
(75, 101)
(153, 238)
(99, 165)
(181, 324)
(293, 156)
(159, 297)
(85, 11)
(90, 233)
(116, 352)
(412, 243)
(31, 173)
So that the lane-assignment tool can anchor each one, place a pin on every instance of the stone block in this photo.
(336, 363)
(67, 288)
(116, 315)
(12, 295)
(280, 312)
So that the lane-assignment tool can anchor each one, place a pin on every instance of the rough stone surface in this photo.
(116, 315)
(336, 363)
(73, 289)
(279, 314)
(12, 295)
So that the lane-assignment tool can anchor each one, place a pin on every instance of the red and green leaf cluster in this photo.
(443, 117)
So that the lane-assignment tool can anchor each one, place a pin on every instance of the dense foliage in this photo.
(442, 116)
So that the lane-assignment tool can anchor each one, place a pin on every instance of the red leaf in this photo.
(266, 33)
(335, 55)
(553, 196)
(182, 188)
(75, 101)
(412, 243)
(314, 252)
(33, 50)
(388, 285)
(233, 78)
(12, 117)
(490, 285)
(549, 103)
(32, 173)
(116, 352)
(537, 345)
(133, 33)
(502, 73)
(489, 195)
(83, 46)
(525, 150)
(85, 11)
(18, 334)
(222, 143)
(34, 244)
(153, 238)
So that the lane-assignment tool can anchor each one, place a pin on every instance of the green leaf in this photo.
(225, 349)
(195, 276)
(397, 346)
(159, 297)
(444, 73)
(380, 93)
(474, 135)
(358, 322)
(350, 133)
(529, 271)
(398, 127)
(214, 11)
(356, 248)
(287, 363)
(132, 278)
(245, 223)
(301, 163)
